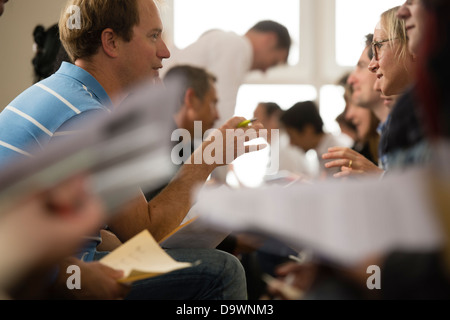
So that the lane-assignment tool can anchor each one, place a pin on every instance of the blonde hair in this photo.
(395, 28)
(83, 41)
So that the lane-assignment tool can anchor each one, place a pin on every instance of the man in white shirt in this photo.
(230, 57)
(304, 126)
(291, 159)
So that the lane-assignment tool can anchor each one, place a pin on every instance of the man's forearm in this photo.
(168, 209)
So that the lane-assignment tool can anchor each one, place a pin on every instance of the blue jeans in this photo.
(219, 276)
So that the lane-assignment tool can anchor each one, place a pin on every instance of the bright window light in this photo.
(250, 168)
(193, 17)
(284, 95)
(355, 19)
(332, 104)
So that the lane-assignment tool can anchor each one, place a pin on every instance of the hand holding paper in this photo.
(140, 258)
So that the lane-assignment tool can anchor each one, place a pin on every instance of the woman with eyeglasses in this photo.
(392, 61)
(403, 142)
(394, 66)
(416, 274)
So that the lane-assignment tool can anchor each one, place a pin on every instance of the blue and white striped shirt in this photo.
(53, 107)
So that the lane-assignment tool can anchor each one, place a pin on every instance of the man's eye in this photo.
(154, 36)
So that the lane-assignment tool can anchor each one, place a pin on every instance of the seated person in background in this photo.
(365, 150)
(365, 123)
(291, 160)
(49, 52)
(198, 102)
(360, 91)
(46, 47)
(304, 126)
(362, 85)
(348, 129)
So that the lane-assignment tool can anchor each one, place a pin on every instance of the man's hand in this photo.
(293, 280)
(224, 145)
(98, 282)
(167, 210)
(42, 229)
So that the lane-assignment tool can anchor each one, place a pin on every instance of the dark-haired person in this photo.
(304, 126)
(119, 45)
(359, 111)
(230, 56)
(2, 6)
(291, 159)
(49, 52)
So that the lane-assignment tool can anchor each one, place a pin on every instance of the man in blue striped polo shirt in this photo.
(118, 44)
(50, 108)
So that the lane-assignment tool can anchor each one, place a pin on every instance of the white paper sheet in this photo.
(344, 221)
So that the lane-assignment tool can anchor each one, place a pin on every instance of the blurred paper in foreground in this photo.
(194, 233)
(341, 221)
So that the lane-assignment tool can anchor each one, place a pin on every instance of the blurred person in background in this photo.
(304, 126)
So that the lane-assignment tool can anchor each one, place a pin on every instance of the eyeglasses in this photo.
(377, 45)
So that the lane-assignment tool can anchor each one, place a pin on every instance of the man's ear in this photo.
(309, 130)
(110, 42)
(189, 99)
(270, 39)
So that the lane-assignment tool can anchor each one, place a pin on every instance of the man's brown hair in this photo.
(96, 15)
(191, 77)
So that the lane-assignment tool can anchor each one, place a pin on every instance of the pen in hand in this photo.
(285, 288)
(246, 123)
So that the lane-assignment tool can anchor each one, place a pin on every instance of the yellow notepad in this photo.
(141, 257)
